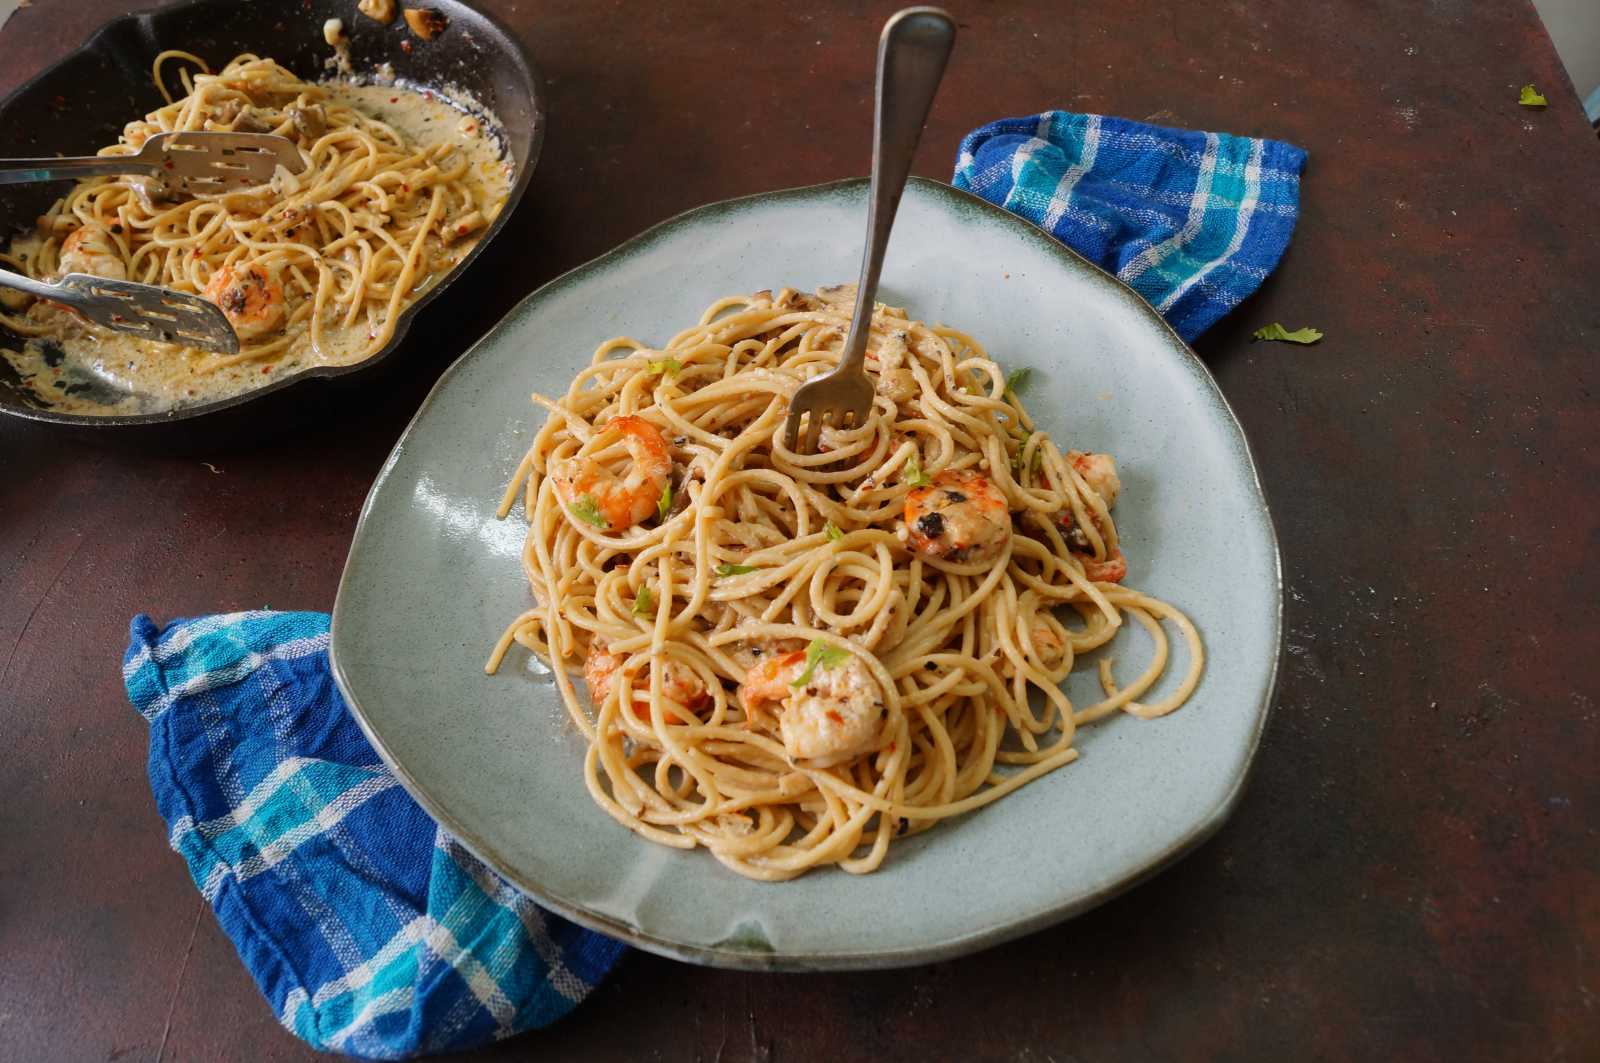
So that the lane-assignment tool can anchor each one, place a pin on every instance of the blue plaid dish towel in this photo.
(369, 929)
(1192, 221)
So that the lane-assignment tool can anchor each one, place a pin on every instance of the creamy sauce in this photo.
(79, 368)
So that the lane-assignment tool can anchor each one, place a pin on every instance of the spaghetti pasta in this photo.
(795, 659)
(312, 268)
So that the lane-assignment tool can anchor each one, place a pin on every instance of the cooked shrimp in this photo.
(91, 250)
(1050, 647)
(594, 493)
(755, 649)
(1099, 471)
(679, 682)
(961, 516)
(250, 298)
(1114, 569)
(832, 717)
(895, 381)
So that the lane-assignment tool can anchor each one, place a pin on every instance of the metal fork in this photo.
(142, 309)
(912, 53)
(196, 162)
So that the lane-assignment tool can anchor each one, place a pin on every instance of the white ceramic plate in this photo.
(433, 577)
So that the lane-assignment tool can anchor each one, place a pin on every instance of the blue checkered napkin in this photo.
(368, 928)
(1193, 222)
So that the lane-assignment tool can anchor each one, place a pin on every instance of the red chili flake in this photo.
(266, 369)
(461, 230)
(835, 717)
(394, 99)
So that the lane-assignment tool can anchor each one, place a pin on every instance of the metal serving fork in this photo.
(912, 53)
(141, 309)
(196, 163)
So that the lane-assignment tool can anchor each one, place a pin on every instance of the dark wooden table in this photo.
(1414, 872)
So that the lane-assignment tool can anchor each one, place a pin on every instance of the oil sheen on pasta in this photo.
(400, 185)
(795, 660)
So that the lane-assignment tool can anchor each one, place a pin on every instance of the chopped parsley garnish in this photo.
(667, 367)
(644, 602)
(831, 530)
(820, 655)
(1530, 97)
(914, 474)
(735, 570)
(587, 510)
(664, 503)
(1017, 380)
(1276, 331)
(1035, 463)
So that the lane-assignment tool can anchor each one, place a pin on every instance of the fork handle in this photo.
(24, 171)
(912, 53)
(27, 284)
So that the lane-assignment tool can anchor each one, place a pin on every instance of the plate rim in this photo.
(103, 35)
(744, 959)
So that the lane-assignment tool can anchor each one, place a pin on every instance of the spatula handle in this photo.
(25, 171)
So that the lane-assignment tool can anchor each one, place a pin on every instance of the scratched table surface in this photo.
(1414, 871)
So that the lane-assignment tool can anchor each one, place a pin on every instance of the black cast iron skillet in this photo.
(83, 101)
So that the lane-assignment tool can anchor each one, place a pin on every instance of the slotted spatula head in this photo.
(207, 162)
(154, 313)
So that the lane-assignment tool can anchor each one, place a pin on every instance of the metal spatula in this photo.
(196, 163)
(141, 309)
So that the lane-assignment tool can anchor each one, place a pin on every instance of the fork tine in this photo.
(791, 428)
(814, 430)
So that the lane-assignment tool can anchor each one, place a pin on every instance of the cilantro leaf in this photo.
(820, 655)
(667, 367)
(914, 474)
(587, 510)
(736, 570)
(644, 602)
(831, 530)
(1530, 97)
(1017, 380)
(664, 503)
(1276, 331)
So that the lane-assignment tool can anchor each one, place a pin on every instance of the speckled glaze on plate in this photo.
(433, 577)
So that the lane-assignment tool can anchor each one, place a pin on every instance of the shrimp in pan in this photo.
(250, 299)
(960, 516)
(90, 249)
(596, 495)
